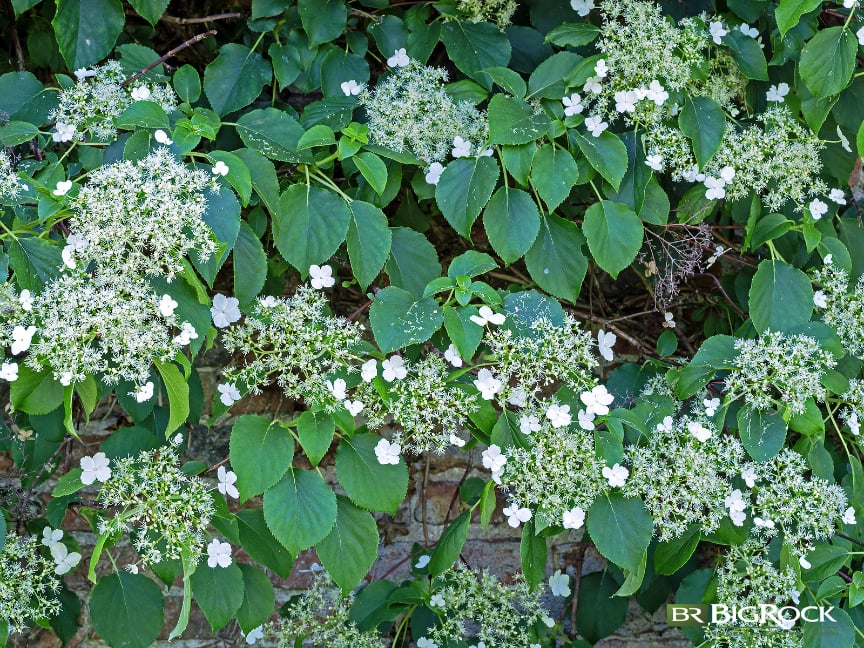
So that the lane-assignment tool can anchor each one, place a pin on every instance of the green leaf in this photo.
(512, 222)
(671, 556)
(323, 20)
(250, 265)
(261, 452)
(555, 260)
(463, 333)
(464, 189)
(553, 174)
(187, 83)
(762, 432)
(23, 98)
(34, 261)
(318, 135)
(828, 61)
(178, 394)
(509, 80)
(315, 432)
(398, 320)
(238, 173)
(513, 121)
(373, 169)
(780, 297)
(475, 46)
(235, 78)
(259, 543)
(532, 552)
(549, 79)
(621, 529)
(263, 175)
(470, 264)
(68, 484)
(126, 610)
(219, 592)
(300, 510)
(259, 599)
(829, 634)
(614, 233)
(824, 561)
(310, 225)
(768, 228)
(450, 545)
(82, 39)
(273, 133)
(368, 241)
(789, 12)
(150, 10)
(748, 55)
(703, 122)
(348, 552)
(717, 352)
(607, 154)
(413, 261)
(369, 484)
(35, 392)
(599, 613)
(17, 132)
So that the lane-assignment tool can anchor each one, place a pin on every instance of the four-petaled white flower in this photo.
(21, 338)
(74, 243)
(227, 479)
(668, 320)
(452, 356)
(655, 162)
(50, 536)
(747, 30)
(388, 453)
(559, 584)
(711, 405)
(220, 168)
(777, 93)
(424, 642)
(749, 477)
(461, 147)
(601, 69)
(488, 384)
(716, 188)
(393, 368)
(593, 85)
(369, 370)
(218, 553)
(657, 93)
(699, 431)
(582, 7)
(596, 125)
(433, 175)
(727, 173)
(83, 73)
(529, 424)
(254, 635)
(350, 88)
(338, 388)
(65, 560)
(399, 58)
(666, 425)
(838, 196)
(186, 335)
(572, 105)
(354, 407)
(597, 400)
(518, 398)
(616, 475)
(225, 310)
(143, 393)
(574, 518)
(487, 316)
(161, 137)
(718, 31)
(321, 276)
(737, 517)
(268, 302)
(167, 305)
(228, 394)
(9, 371)
(516, 515)
(605, 342)
(62, 188)
(437, 600)
(456, 440)
(140, 93)
(95, 468)
(817, 209)
(849, 516)
(586, 419)
(63, 132)
(493, 459)
(820, 299)
(26, 300)
(625, 101)
(766, 523)
(559, 415)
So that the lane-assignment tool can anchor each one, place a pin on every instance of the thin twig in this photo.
(720, 287)
(577, 581)
(165, 57)
(204, 19)
(846, 537)
(357, 312)
(19, 53)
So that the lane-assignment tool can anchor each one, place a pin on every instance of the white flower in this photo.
(162, 137)
(777, 92)
(593, 85)
(218, 553)
(749, 477)
(711, 405)
(572, 104)
(62, 188)
(616, 475)
(338, 389)
(387, 453)
(66, 561)
(493, 459)
(817, 209)
(657, 93)
(586, 419)
(144, 392)
(369, 370)
(461, 148)
(9, 371)
(727, 173)
(597, 400)
(715, 188)
(625, 101)
(488, 384)
(487, 316)
(848, 4)
(457, 441)
(350, 88)
(186, 335)
(423, 642)
(433, 175)
(66, 379)
(600, 68)
(655, 162)
(596, 125)
(666, 425)
(167, 305)
(393, 368)
(719, 251)
(574, 518)
(838, 196)
(804, 562)
(225, 310)
(63, 132)
(516, 515)
(559, 584)
(737, 517)
(529, 424)
(829, 258)
(399, 58)
(95, 468)
(354, 407)
(255, 634)
(227, 479)
(487, 152)
(699, 431)
(26, 300)
(67, 255)
(766, 523)
(795, 595)
(582, 7)
(735, 501)
(220, 168)
(321, 276)
(820, 299)
(692, 175)
(422, 561)
(858, 34)
(518, 398)
(559, 415)
(451, 355)
(854, 425)
(437, 600)
(268, 302)
(141, 93)
(50, 536)
(849, 516)
(228, 394)
(83, 73)
(718, 31)
(668, 320)
(844, 141)
(747, 30)
(21, 338)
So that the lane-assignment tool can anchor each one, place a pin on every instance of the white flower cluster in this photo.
(494, 11)
(28, 583)
(779, 370)
(841, 309)
(90, 105)
(64, 560)
(10, 185)
(410, 110)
